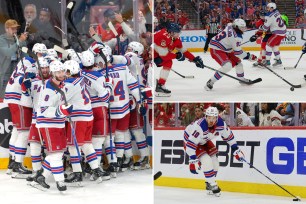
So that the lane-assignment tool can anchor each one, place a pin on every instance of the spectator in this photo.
(199, 112)
(9, 52)
(287, 111)
(243, 120)
(268, 116)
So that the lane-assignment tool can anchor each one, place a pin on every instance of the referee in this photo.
(212, 31)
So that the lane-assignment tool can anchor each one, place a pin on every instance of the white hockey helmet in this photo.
(39, 48)
(99, 59)
(272, 5)
(240, 24)
(52, 52)
(76, 57)
(30, 68)
(43, 62)
(212, 111)
(56, 66)
(88, 58)
(72, 66)
(136, 47)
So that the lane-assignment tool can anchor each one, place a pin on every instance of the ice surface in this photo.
(167, 195)
(129, 187)
(270, 89)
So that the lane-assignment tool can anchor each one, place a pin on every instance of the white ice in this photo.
(270, 89)
(129, 187)
(168, 195)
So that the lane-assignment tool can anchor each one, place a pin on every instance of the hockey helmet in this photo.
(240, 24)
(39, 48)
(43, 62)
(52, 52)
(173, 27)
(108, 50)
(87, 58)
(271, 5)
(72, 66)
(56, 66)
(136, 47)
(212, 111)
(99, 59)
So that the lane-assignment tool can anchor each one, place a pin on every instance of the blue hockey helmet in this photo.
(173, 27)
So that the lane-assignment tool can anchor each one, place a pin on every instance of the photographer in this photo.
(9, 52)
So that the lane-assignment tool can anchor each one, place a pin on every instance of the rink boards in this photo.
(195, 40)
(280, 153)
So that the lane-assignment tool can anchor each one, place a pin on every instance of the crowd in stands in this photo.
(246, 114)
(224, 11)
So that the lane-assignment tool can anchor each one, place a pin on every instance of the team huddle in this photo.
(84, 104)
(225, 49)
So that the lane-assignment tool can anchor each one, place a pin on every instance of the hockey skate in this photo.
(105, 175)
(61, 186)
(97, 175)
(216, 190)
(112, 169)
(142, 163)
(162, 91)
(128, 163)
(119, 163)
(39, 181)
(209, 85)
(277, 63)
(20, 172)
(10, 166)
(74, 179)
(31, 177)
(208, 188)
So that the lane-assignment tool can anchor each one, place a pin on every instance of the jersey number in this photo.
(119, 91)
(280, 22)
(221, 36)
(195, 134)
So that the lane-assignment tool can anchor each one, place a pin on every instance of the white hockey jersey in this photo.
(13, 91)
(36, 87)
(48, 114)
(243, 120)
(95, 85)
(198, 133)
(124, 83)
(270, 119)
(228, 41)
(79, 97)
(274, 23)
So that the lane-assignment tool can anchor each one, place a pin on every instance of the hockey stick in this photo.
(292, 85)
(252, 166)
(183, 76)
(157, 175)
(296, 63)
(250, 82)
(112, 28)
(245, 43)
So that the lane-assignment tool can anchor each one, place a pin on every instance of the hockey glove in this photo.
(250, 57)
(30, 75)
(26, 84)
(142, 109)
(194, 164)
(109, 83)
(95, 47)
(64, 110)
(304, 48)
(180, 56)
(146, 92)
(238, 155)
(199, 62)
(253, 38)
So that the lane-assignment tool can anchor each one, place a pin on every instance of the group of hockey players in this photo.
(225, 48)
(69, 108)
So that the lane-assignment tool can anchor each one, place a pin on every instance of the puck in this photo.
(292, 89)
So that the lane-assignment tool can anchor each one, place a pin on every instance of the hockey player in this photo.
(226, 50)
(165, 41)
(82, 118)
(21, 117)
(202, 151)
(51, 115)
(137, 114)
(100, 91)
(33, 88)
(276, 25)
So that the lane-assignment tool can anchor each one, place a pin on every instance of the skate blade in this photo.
(106, 178)
(19, 176)
(158, 94)
(209, 192)
(37, 186)
(207, 89)
(217, 194)
(9, 172)
(113, 175)
(99, 180)
(74, 184)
